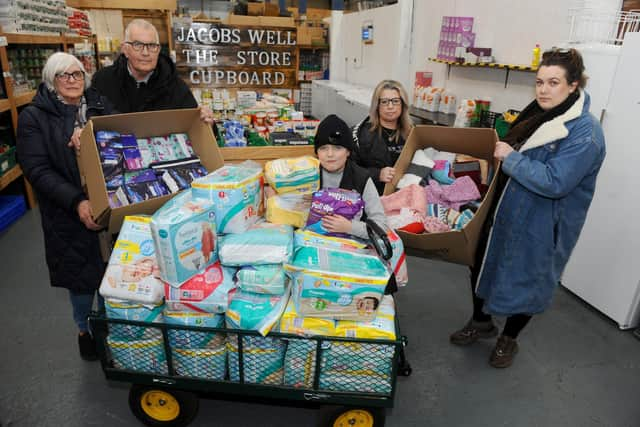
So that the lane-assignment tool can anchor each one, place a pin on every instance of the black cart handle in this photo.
(380, 240)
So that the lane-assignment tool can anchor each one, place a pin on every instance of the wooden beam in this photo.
(124, 4)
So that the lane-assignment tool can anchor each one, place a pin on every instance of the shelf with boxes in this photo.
(493, 65)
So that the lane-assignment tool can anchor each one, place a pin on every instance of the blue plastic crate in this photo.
(11, 209)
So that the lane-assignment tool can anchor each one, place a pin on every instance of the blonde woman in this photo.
(379, 138)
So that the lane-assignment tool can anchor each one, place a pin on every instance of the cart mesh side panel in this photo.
(137, 348)
(198, 354)
(260, 359)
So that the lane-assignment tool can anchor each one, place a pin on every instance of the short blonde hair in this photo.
(404, 121)
(143, 24)
(58, 63)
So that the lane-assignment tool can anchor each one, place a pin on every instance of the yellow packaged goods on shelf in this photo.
(294, 174)
(292, 323)
(291, 209)
(382, 327)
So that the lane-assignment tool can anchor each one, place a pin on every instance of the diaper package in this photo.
(236, 193)
(184, 234)
(300, 363)
(309, 238)
(262, 279)
(382, 327)
(208, 292)
(337, 284)
(125, 310)
(189, 339)
(140, 355)
(210, 364)
(132, 273)
(289, 208)
(263, 244)
(297, 174)
(263, 359)
(292, 323)
(256, 312)
(331, 201)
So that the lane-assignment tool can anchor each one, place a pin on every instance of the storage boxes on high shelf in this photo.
(251, 119)
(34, 16)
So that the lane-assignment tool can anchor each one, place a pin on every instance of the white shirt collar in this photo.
(144, 80)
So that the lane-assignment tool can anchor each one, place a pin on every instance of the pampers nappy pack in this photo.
(190, 339)
(132, 273)
(236, 193)
(300, 363)
(139, 355)
(207, 292)
(263, 359)
(210, 364)
(337, 284)
(382, 327)
(125, 310)
(257, 312)
(184, 234)
(292, 323)
(263, 243)
(298, 174)
(262, 279)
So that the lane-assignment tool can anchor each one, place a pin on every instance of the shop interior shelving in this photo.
(492, 65)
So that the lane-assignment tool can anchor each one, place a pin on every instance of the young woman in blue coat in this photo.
(48, 137)
(550, 161)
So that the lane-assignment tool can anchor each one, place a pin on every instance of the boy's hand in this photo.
(336, 224)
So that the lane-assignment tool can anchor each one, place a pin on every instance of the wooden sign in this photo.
(215, 55)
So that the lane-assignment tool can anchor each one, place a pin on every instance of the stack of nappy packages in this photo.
(138, 169)
(439, 192)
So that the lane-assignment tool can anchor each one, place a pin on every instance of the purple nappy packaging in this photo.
(333, 201)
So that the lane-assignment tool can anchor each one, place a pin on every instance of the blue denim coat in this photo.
(541, 212)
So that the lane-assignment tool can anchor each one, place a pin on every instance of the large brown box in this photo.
(454, 246)
(142, 125)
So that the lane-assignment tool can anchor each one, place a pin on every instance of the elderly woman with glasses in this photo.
(48, 132)
(379, 138)
(550, 161)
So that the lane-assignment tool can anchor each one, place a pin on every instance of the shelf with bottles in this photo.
(492, 65)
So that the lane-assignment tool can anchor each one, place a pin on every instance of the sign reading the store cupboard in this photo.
(217, 55)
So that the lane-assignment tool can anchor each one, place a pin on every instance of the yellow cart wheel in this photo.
(357, 417)
(159, 407)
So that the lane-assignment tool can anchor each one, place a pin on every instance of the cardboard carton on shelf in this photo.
(142, 125)
(454, 246)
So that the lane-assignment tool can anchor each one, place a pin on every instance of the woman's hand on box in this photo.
(86, 215)
(502, 150)
(75, 139)
(336, 224)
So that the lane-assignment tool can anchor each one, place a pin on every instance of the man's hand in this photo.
(86, 215)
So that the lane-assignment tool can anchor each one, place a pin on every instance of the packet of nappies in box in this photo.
(297, 174)
(337, 284)
(132, 273)
(209, 291)
(184, 234)
(236, 193)
(263, 243)
(333, 201)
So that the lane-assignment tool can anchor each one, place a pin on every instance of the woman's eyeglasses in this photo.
(65, 77)
(392, 101)
(138, 46)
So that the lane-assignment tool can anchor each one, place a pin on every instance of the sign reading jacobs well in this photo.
(217, 55)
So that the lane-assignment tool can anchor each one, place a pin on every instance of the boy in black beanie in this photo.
(333, 145)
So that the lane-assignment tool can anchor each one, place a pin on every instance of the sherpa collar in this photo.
(555, 129)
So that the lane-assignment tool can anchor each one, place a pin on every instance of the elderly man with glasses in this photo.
(143, 78)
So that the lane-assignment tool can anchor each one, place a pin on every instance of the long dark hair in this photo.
(570, 60)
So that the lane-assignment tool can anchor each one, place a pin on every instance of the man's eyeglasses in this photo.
(151, 47)
(392, 101)
(65, 77)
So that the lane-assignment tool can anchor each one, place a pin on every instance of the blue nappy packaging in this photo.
(258, 312)
(127, 310)
(262, 279)
(236, 193)
(184, 234)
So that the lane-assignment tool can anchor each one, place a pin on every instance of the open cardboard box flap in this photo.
(142, 125)
(454, 246)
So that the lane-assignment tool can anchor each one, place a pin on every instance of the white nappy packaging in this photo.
(132, 273)
(337, 284)
(382, 327)
(207, 292)
(140, 355)
(262, 279)
(190, 339)
(236, 193)
(184, 234)
(256, 312)
(125, 310)
(262, 244)
(294, 174)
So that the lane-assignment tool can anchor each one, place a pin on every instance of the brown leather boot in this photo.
(472, 332)
(504, 352)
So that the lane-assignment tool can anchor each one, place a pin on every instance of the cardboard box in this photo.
(142, 125)
(261, 21)
(263, 9)
(454, 246)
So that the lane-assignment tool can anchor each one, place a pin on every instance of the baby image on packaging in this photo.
(142, 270)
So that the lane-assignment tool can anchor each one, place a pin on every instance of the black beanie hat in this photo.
(333, 130)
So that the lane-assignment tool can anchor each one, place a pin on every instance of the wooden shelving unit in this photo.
(494, 65)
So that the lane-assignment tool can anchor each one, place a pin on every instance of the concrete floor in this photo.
(575, 368)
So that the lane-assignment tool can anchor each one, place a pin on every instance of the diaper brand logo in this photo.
(163, 233)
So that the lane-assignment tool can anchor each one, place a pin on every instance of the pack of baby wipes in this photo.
(236, 193)
(382, 327)
(256, 312)
(264, 243)
(132, 273)
(126, 310)
(184, 234)
(294, 174)
(263, 359)
(208, 291)
(292, 323)
(289, 208)
(337, 284)
(139, 355)
(190, 339)
(262, 279)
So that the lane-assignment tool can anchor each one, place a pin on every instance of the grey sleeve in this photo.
(374, 210)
